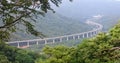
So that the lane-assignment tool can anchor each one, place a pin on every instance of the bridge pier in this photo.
(45, 41)
(73, 37)
(60, 39)
(78, 36)
(53, 40)
(28, 44)
(87, 35)
(67, 38)
(83, 35)
(18, 45)
(37, 43)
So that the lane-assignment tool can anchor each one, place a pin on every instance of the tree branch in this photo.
(12, 23)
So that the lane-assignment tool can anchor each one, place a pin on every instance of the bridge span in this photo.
(27, 43)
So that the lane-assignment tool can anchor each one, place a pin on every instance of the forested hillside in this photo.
(53, 25)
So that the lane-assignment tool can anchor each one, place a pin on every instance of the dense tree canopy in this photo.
(18, 13)
(104, 48)
(9, 54)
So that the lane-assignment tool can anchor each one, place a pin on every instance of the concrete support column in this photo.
(87, 35)
(73, 37)
(60, 39)
(45, 41)
(67, 39)
(18, 45)
(78, 36)
(53, 40)
(83, 36)
(37, 43)
(28, 44)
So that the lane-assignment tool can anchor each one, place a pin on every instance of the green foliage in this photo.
(3, 59)
(115, 36)
(96, 50)
(115, 32)
(59, 54)
(104, 48)
(10, 54)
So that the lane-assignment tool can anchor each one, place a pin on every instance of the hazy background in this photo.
(84, 8)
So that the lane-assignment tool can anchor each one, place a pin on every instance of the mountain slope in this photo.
(53, 25)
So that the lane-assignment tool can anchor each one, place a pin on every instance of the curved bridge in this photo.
(27, 43)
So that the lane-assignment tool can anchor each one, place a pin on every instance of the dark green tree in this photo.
(18, 13)
(9, 54)
(3, 59)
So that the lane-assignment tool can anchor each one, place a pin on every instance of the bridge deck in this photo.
(27, 43)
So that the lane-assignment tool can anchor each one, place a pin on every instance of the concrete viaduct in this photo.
(91, 33)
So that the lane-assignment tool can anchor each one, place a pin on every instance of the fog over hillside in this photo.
(84, 8)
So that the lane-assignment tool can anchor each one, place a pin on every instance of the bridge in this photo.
(91, 33)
